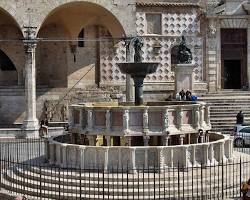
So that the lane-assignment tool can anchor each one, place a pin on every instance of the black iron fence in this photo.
(25, 171)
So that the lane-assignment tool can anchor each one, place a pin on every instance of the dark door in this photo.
(232, 74)
(233, 58)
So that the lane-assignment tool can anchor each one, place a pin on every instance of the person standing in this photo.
(245, 189)
(240, 118)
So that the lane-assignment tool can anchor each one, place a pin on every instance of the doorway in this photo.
(232, 74)
(233, 58)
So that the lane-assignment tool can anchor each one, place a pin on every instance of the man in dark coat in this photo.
(240, 118)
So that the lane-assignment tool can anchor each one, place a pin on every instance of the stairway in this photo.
(56, 183)
(224, 107)
(12, 100)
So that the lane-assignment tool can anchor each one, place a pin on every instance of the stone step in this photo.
(171, 177)
(44, 195)
(29, 186)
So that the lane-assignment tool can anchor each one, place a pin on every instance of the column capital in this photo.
(30, 40)
(29, 32)
(30, 45)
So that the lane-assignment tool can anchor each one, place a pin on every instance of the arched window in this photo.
(5, 63)
(81, 38)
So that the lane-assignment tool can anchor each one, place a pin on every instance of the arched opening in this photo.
(8, 72)
(79, 27)
(12, 63)
(12, 57)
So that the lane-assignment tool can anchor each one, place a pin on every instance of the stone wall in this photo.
(174, 23)
(34, 13)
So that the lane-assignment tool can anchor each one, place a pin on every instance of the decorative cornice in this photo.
(141, 3)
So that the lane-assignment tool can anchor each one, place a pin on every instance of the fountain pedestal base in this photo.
(184, 78)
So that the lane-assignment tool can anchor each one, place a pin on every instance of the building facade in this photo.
(55, 43)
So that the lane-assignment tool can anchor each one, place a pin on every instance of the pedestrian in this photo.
(188, 95)
(240, 118)
(245, 189)
(182, 94)
(43, 130)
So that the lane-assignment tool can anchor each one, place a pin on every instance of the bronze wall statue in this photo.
(184, 55)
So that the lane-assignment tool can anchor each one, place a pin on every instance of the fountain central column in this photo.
(138, 90)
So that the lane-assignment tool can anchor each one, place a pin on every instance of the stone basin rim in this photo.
(221, 140)
(168, 104)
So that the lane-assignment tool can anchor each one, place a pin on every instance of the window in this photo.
(81, 38)
(245, 130)
(154, 24)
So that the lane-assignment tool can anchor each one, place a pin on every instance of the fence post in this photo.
(222, 180)
(178, 180)
(59, 173)
(240, 175)
(201, 181)
(40, 181)
(103, 186)
(154, 182)
(81, 182)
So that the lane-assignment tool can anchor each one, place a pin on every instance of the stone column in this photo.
(165, 140)
(108, 140)
(202, 122)
(211, 154)
(196, 118)
(165, 122)
(207, 115)
(90, 120)
(31, 122)
(197, 138)
(145, 121)
(207, 136)
(146, 139)
(180, 118)
(182, 139)
(108, 121)
(201, 137)
(129, 81)
(126, 121)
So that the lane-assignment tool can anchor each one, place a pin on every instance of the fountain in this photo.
(144, 134)
(138, 70)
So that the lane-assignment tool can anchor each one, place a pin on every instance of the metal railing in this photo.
(24, 171)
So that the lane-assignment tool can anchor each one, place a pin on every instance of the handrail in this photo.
(68, 91)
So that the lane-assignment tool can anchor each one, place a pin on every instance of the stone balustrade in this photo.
(154, 118)
(92, 157)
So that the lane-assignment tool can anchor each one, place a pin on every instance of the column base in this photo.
(30, 125)
(30, 129)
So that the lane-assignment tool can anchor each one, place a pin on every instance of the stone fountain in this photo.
(147, 134)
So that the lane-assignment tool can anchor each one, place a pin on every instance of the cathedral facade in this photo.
(67, 43)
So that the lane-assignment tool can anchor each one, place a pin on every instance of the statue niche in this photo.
(184, 55)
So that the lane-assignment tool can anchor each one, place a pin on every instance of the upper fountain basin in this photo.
(138, 69)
